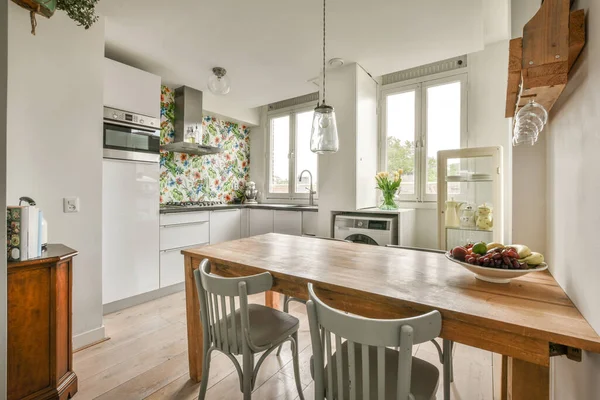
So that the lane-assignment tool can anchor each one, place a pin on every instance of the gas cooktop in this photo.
(211, 203)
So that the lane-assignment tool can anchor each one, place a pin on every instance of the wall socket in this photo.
(71, 204)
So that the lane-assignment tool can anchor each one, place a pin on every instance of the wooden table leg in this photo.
(194, 326)
(272, 299)
(527, 381)
(504, 380)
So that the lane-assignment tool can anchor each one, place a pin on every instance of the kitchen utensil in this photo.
(496, 275)
(484, 217)
(467, 217)
(452, 209)
(251, 193)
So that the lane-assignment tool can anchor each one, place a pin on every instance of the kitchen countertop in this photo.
(374, 210)
(282, 207)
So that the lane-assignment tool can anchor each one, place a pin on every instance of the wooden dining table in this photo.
(526, 320)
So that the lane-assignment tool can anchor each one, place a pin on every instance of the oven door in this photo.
(129, 142)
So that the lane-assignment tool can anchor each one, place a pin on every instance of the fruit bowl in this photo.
(496, 275)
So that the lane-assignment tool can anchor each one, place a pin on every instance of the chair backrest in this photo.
(416, 248)
(373, 336)
(218, 306)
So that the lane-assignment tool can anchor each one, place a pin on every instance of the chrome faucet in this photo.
(311, 192)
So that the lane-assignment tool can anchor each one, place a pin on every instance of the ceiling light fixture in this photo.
(219, 83)
(324, 135)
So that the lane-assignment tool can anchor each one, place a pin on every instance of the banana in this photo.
(494, 245)
(533, 259)
(522, 250)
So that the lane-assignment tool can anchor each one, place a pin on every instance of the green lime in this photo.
(480, 248)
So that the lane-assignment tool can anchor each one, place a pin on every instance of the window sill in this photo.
(429, 205)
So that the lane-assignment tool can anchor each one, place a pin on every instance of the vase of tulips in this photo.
(388, 183)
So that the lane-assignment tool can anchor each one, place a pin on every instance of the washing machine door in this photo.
(360, 238)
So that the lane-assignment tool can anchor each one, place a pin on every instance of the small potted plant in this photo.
(81, 11)
(388, 184)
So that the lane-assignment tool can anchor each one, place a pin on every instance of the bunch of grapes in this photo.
(504, 258)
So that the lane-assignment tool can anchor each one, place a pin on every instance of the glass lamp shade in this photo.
(324, 135)
(219, 85)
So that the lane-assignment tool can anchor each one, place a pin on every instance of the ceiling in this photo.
(272, 48)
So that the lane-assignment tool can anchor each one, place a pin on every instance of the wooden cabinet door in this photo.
(224, 225)
(261, 222)
(288, 222)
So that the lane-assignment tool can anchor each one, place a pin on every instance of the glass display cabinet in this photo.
(470, 199)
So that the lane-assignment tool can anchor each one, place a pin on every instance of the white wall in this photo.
(488, 74)
(258, 151)
(529, 164)
(573, 193)
(55, 143)
(3, 76)
(337, 172)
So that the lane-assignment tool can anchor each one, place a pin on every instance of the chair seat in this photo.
(268, 326)
(424, 376)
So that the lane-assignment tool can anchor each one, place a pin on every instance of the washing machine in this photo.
(377, 231)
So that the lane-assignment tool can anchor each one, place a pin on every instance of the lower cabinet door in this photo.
(225, 225)
(171, 266)
(288, 222)
(261, 222)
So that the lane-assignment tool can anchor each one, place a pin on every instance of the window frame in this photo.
(293, 174)
(420, 86)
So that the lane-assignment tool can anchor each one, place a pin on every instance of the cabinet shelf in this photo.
(453, 179)
(458, 228)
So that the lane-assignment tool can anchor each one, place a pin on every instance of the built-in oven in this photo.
(129, 136)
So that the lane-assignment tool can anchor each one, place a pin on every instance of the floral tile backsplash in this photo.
(185, 177)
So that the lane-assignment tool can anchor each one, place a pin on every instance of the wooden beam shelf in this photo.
(540, 61)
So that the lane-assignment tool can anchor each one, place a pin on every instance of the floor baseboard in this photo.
(119, 305)
(86, 338)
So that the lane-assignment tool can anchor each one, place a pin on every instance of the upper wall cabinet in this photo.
(130, 89)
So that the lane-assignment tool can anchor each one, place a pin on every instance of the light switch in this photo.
(71, 204)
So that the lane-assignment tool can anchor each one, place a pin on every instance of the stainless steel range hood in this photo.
(188, 116)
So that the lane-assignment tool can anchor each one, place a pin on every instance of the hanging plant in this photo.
(81, 11)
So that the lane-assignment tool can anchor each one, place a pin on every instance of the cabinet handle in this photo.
(184, 223)
(224, 211)
(184, 247)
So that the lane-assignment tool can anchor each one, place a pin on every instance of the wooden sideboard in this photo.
(40, 353)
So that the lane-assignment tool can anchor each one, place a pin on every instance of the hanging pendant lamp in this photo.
(324, 135)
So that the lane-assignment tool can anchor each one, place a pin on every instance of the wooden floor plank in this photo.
(148, 360)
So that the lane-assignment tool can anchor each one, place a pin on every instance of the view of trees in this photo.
(401, 154)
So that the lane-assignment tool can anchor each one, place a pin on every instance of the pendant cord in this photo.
(324, 51)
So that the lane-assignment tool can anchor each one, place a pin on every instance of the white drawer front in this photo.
(171, 267)
(177, 236)
(183, 217)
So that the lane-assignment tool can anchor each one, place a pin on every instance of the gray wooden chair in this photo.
(444, 354)
(248, 330)
(288, 299)
(363, 366)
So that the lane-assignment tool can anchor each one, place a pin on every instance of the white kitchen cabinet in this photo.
(310, 223)
(130, 229)
(224, 225)
(182, 235)
(261, 222)
(171, 266)
(244, 223)
(131, 89)
(179, 231)
(287, 222)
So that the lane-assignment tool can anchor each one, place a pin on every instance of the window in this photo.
(289, 142)
(418, 121)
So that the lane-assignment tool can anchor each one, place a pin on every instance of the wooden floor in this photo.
(146, 358)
